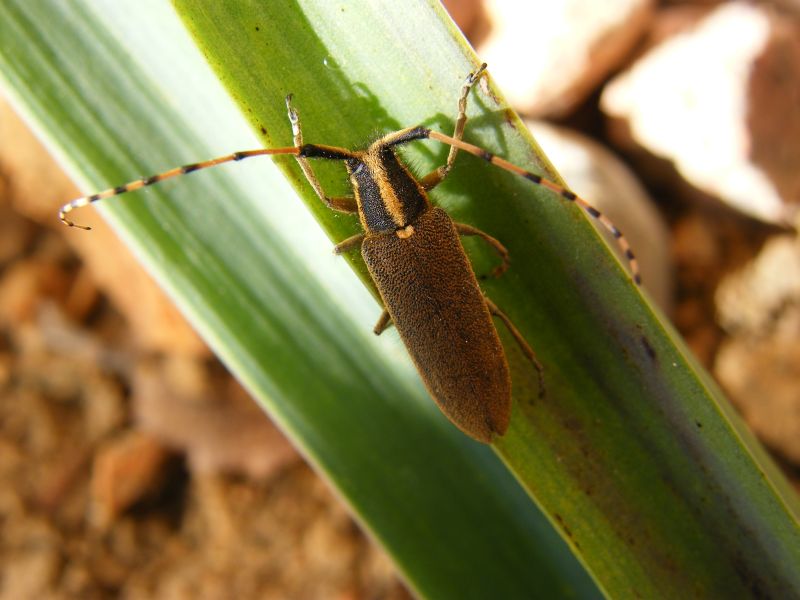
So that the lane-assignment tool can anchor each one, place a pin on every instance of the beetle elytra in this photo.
(414, 255)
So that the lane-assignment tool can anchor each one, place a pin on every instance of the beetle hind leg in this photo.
(521, 342)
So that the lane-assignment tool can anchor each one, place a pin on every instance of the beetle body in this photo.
(414, 255)
(433, 299)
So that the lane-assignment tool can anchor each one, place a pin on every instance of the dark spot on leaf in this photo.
(563, 525)
(648, 348)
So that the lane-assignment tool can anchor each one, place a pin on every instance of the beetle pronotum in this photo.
(414, 255)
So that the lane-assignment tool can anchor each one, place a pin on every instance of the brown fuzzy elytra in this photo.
(433, 299)
(414, 255)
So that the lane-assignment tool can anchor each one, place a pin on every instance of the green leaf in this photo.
(633, 454)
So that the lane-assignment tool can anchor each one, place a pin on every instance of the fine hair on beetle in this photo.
(414, 255)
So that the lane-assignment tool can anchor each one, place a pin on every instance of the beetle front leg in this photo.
(345, 204)
(435, 177)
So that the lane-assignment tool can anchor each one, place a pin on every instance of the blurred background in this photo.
(122, 439)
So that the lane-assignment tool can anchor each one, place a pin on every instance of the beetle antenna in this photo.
(546, 183)
(176, 172)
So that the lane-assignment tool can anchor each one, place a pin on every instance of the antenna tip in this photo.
(69, 223)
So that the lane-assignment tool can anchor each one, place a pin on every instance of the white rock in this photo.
(759, 364)
(548, 56)
(699, 99)
(754, 300)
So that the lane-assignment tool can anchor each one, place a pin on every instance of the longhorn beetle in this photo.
(413, 253)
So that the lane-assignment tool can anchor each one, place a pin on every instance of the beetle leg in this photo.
(349, 243)
(464, 229)
(345, 246)
(346, 204)
(435, 177)
(521, 342)
(383, 322)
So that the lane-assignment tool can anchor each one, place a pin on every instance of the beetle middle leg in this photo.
(383, 323)
(351, 243)
(354, 241)
(435, 177)
(521, 342)
(464, 229)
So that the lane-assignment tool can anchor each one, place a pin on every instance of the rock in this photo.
(126, 470)
(210, 418)
(549, 56)
(755, 300)
(759, 364)
(464, 12)
(720, 100)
